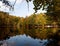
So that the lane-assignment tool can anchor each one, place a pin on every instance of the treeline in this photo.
(9, 24)
(7, 20)
(40, 20)
(12, 25)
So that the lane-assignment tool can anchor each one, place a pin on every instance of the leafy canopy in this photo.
(8, 3)
(50, 6)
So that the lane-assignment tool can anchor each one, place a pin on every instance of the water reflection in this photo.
(30, 37)
(23, 40)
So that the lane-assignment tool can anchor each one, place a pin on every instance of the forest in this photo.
(41, 19)
(37, 25)
(32, 25)
(13, 24)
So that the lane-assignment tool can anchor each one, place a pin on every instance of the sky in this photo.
(20, 8)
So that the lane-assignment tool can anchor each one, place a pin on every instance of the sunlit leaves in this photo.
(51, 6)
(38, 19)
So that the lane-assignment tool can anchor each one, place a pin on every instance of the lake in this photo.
(30, 37)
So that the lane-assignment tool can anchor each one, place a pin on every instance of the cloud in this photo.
(0, 3)
(18, 1)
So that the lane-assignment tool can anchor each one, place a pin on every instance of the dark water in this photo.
(30, 37)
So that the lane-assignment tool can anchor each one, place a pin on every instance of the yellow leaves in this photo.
(36, 19)
(41, 18)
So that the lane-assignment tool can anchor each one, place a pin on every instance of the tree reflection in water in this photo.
(51, 34)
(55, 40)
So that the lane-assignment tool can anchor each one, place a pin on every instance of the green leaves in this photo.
(48, 5)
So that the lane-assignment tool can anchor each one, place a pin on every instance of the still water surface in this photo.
(23, 40)
(29, 37)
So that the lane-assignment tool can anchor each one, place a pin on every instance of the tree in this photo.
(8, 3)
(51, 6)
(48, 5)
